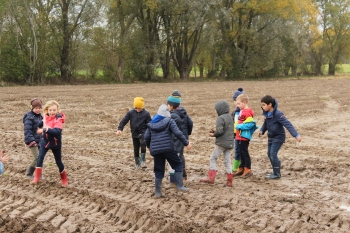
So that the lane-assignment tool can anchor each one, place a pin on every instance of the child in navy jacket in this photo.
(32, 133)
(158, 138)
(274, 123)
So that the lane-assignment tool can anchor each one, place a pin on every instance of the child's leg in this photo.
(214, 156)
(272, 151)
(237, 157)
(136, 143)
(245, 157)
(182, 157)
(58, 158)
(159, 166)
(35, 153)
(41, 156)
(227, 160)
(175, 162)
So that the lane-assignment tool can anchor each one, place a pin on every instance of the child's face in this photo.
(138, 109)
(52, 110)
(37, 110)
(266, 107)
(241, 104)
(171, 108)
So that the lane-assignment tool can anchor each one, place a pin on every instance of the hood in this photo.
(159, 125)
(181, 112)
(222, 107)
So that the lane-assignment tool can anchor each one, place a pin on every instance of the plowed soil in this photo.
(107, 194)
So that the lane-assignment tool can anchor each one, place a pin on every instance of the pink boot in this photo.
(64, 178)
(37, 175)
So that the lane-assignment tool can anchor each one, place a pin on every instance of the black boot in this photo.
(276, 166)
(179, 182)
(137, 162)
(158, 184)
(30, 172)
(143, 160)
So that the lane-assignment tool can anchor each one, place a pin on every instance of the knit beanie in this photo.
(139, 102)
(174, 101)
(36, 103)
(163, 111)
(237, 93)
(176, 93)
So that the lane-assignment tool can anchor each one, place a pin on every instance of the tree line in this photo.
(44, 41)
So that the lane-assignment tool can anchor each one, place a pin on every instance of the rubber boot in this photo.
(235, 165)
(30, 172)
(247, 172)
(172, 177)
(239, 172)
(137, 162)
(158, 184)
(143, 160)
(184, 174)
(37, 175)
(211, 177)
(179, 182)
(276, 166)
(229, 180)
(64, 179)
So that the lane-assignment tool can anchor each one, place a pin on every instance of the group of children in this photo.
(166, 135)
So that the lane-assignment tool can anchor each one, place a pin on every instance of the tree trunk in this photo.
(331, 68)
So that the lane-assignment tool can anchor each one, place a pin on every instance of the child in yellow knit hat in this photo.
(139, 117)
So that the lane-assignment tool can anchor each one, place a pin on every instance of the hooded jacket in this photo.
(224, 125)
(245, 114)
(184, 123)
(158, 136)
(247, 129)
(31, 121)
(274, 123)
(138, 122)
(52, 138)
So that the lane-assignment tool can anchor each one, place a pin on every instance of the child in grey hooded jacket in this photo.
(224, 142)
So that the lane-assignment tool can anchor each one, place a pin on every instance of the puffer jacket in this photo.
(247, 128)
(31, 122)
(52, 138)
(274, 123)
(138, 122)
(224, 125)
(158, 136)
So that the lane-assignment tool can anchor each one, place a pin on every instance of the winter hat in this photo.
(176, 93)
(163, 111)
(139, 102)
(36, 103)
(174, 100)
(237, 93)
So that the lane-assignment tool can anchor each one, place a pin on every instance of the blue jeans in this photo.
(56, 153)
(159, 163)
(272, 151)
(1, 168)
(237, 151)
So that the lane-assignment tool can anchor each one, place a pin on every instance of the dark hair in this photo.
(267, 99)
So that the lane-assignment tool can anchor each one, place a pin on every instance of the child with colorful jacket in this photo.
(51, 139)
(274, 123)
(159, 139)
(32, 133)
(235, 114)
(139, 117)
(245, 128)
(224, 142)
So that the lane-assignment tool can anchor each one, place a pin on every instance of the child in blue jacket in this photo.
(274, 123)
(158, 138)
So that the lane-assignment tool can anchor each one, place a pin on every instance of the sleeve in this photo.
(245, 126)
(148, 137)
(220, 125)
(28, 130)
(189, 125)
(263, 127)
(124, 121)
(286, 123)
(176, 131)
(57, 129)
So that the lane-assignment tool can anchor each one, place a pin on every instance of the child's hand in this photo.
(298, 138)
(4, 158)
(189, 146)
(211, 134)
(39, 131)
(119, 132)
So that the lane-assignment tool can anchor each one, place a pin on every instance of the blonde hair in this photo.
(51, 103)
(243, 98)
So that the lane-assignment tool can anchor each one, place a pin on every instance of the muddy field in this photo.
(106, 193)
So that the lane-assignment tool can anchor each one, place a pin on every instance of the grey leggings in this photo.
(35, 153)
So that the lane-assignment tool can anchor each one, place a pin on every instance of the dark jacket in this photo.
(138, 122)
(158, 136)
(184, 123)
(224, 125)
(274, 125)
(52, 138)
(31, 122)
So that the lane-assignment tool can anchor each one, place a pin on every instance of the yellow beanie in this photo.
(138, 102)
